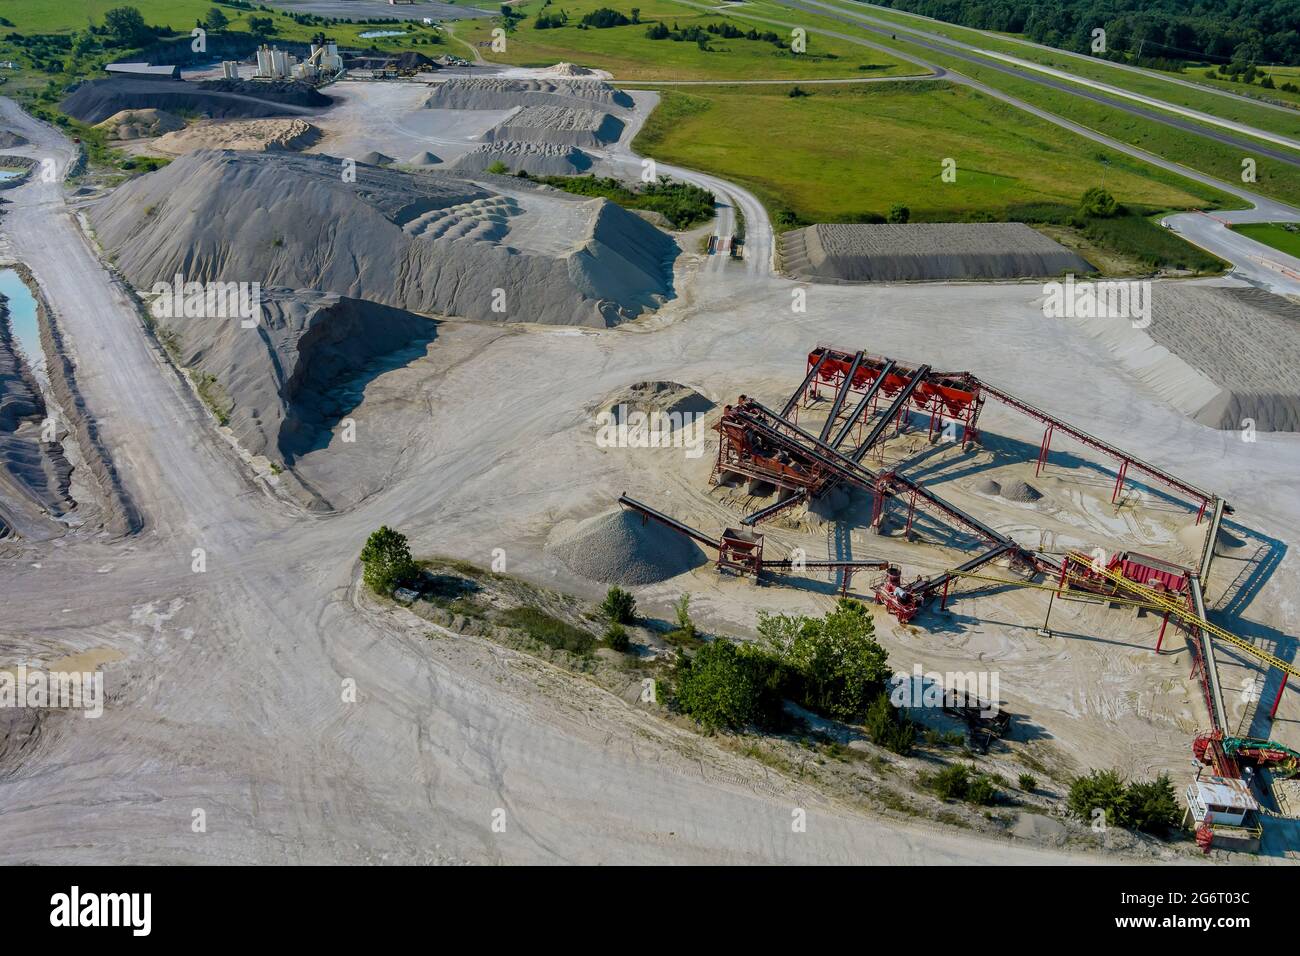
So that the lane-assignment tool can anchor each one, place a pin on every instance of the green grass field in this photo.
(1273, 234)
(848, 153)
(1151, 83)
(629, 54)
(1275, 179)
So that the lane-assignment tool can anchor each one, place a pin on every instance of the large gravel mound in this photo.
(495, 93)
(286, 383)
(558, 124)
(921, 251)
(539, 159)
(427, 242)
(619, 547)
(10, 139)
(97, 100)
(1222, 356)
(138, 124)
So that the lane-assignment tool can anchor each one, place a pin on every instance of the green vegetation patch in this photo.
(1282, 236)
(548, 630)
(682, 204)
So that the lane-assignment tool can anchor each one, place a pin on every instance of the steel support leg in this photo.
(1119, 481)
(1278, 699)
(1161, 639)
(1043, 449)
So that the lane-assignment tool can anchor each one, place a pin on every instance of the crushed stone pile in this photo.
(558, 124)
(841, 252)
(10, 139)
(988, 486)
(396, 237)
(268, 134)
(1020, 490)
(375, 158)
(96, 100)
(288, 383)
(425, 158)
(539, 159)
(498, 93)
(619, 548)
(141, 124)
(569, 69)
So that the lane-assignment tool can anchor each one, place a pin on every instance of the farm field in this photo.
(629, 54)
(851, 152)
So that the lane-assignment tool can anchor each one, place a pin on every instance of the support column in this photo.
(1161, 639)
(1043, 448)
(1278, 699)
(1119, 481)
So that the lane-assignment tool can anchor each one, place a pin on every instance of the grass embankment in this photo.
(1150, 83)
(1284, 237)
(682, 204)
(1275, 179)
(629, 53)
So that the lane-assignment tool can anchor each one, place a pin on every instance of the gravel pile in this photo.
(924, 251)
(988, 487)
(496, 93)
(558, 124)
(423, 159)
(9, 139)
(539, 159)
(1021, 491)
(620, 548)
(374, 158)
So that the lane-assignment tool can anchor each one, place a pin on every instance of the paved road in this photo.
(1128, 68)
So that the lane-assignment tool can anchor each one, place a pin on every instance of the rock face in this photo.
(920, 251)
(287, 383)
(426, 242)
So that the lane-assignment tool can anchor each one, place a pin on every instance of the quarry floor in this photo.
(226, 686)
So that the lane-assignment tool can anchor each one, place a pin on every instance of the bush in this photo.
(1152, 805)
(888, 728)
(682, 614)
(1028, 783)
(499, 168)
(616, 637)
(898, 213)
(728, 686)
(604, 18)
(952, 783)
(1101, 790)
(840, 661)
(386, 560)
(982, 791)
(619, 606)
(1099, 203)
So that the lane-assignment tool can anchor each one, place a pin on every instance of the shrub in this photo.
(499, 168)
(888, 728)
(952, 783)
(386, 560)
(1152, 805)
(1098, 202)
(982, 790)
(1101, 790)
(898, 213)
(1028, 783)
(728, 686)
(840, 661)
(619, 606)
(616, 637)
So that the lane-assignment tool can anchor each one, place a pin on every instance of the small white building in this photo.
(1222, 800)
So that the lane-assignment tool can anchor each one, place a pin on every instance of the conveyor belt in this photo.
(673, 523)
(862, 405)
(840, 395)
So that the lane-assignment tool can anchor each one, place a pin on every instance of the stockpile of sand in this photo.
(140, 124)
(558, 124)
(620, 547)
(289, 220)
(539, 159)
(1219, 355)
(988, 486)
(1020, 490)
(921, 251)
(569, 69)
(268, 134)
(97, 100)
(496, 93)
